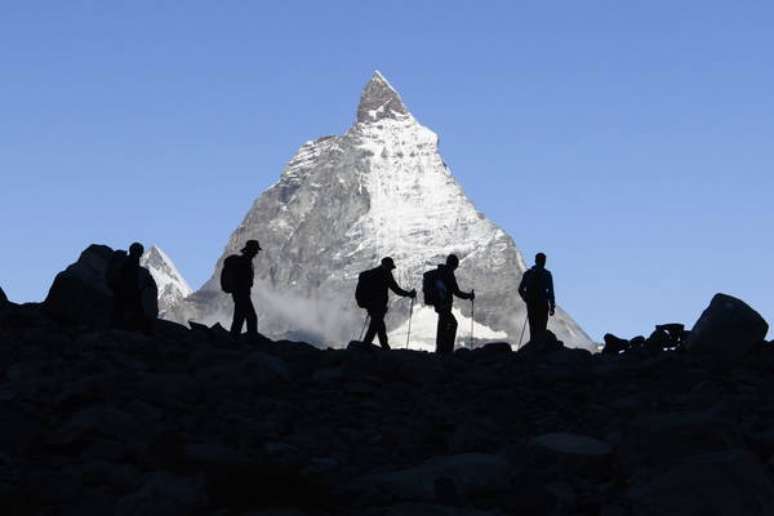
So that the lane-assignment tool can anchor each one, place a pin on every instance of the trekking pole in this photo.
(365, 323)
(411, 313)
(523, 327)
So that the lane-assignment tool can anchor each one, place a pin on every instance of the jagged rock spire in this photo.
(379, 100)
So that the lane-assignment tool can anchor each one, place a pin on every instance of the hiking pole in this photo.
(411, 313)
(523, 327)
(365, 323)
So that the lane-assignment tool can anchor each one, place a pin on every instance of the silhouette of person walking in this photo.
(537, 290)
(446, 288)
(372, 294)
(135, 305)
(237, 279)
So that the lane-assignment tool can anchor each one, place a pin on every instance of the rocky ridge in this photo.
(191, 422)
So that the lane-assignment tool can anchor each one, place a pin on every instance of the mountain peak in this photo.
(379, 100)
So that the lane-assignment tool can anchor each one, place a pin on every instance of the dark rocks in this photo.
(547, 343)
(3, 298)
(564, 452)
(80, 294)
(727, 329)
(614, 345)
(190, 421)
(712, 484)
(467, 475)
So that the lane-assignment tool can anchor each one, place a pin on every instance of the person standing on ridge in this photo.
(537, 290)
(372, 294)
(440, 287)
(135, 293)
(236, 279)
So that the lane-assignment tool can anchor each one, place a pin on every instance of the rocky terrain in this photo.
(191, 422)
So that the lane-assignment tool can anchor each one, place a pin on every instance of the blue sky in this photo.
(630, 141)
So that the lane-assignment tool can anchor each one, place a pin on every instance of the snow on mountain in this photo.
(344, 202)
(171, 285)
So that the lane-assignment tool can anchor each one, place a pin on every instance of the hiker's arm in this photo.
(393, 285)
(551, 299)
(455, 288)
(523, 285)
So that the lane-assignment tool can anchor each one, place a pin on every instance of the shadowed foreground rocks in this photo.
(188, 422)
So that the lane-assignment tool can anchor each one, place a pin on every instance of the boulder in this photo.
(654, 442)
(712, 484)
(548, 343)
(570, 453)
(727, 329)
(465, 475)
(80, 294)
(493, 349)
(614, 345)
(163, 495)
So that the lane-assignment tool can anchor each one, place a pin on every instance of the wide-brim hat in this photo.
(251, 245)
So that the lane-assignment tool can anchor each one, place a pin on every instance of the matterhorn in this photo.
(344, 202)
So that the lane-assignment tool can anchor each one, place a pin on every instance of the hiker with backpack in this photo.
(236, 278)
(135, 293)
(372, 294)
(439, 287)
(537, 290)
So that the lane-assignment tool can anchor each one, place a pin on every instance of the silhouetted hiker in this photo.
(372, 294)
(130, 284)
(236, 279)
(439, 287)
(537, 290)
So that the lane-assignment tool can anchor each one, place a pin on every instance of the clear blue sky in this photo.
(632, 141)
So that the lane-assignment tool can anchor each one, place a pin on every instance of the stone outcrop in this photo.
(727, 329)
(189, 421)
(80, 294)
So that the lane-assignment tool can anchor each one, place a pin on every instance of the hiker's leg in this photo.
(534, 325)
(381, 330)
(541, 318)
(439, 334)
(373, 326)
(250, 316)
(447, 329)
(239, 317)
(452, 333)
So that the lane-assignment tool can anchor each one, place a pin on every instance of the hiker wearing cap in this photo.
(237, 278)
(537, 291)
(445, 287)
(371, 294)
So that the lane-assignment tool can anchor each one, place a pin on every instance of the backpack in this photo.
(367, 286)
(536, 286)
(433, 288)
(228, 273)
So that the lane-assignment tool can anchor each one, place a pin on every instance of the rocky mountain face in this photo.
(172, 287)
(192, 422)
(344, 202)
